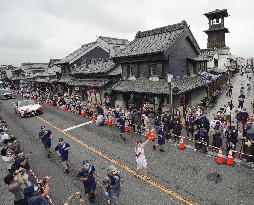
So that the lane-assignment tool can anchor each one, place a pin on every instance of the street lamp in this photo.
(169, 81)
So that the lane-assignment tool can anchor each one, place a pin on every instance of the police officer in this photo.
(63, 149)
(177, 129)
(231, 135)
(46, 136)
(190, 125)
(86, 175)
(112, 185)
(161, 138)
(121, 123)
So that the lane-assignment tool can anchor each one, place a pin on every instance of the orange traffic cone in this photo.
(110, 122)
(230, 158)
(181, 144)
(126, 128)
(152, 135)
(148, 134)
(82, 113)
(219, 159)
(94, 117)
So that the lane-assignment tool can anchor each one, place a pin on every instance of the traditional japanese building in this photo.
(48, 79)
(148, 59)
(217, 53)
(89, 70)
(220, 61)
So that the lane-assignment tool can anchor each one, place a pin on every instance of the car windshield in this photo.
(26, 103)
(7, 90)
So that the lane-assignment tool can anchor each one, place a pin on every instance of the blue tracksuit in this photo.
(160, 133)
(63, 150)
(45, 138)
(90, 183)
(121, 122)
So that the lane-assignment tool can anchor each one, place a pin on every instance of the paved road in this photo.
(187, 173)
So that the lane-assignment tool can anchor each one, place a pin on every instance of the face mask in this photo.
(85, 166)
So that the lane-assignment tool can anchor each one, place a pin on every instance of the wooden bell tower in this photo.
(216, 32)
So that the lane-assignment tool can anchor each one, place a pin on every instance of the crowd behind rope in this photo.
(20, 180)
(230, 126)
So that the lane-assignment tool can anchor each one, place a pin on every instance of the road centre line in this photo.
(121, 165)
(76, 126)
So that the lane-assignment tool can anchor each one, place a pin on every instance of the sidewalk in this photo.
(223, 99)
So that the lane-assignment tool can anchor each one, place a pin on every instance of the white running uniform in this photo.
(140, 157)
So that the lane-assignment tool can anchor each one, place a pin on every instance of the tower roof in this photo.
(217, 14)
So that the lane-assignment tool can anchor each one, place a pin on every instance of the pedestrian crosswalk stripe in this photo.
(121, 165)
(76, 126)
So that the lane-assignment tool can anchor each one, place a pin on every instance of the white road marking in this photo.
(76, 126)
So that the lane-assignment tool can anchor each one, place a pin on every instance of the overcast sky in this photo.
(37, 30)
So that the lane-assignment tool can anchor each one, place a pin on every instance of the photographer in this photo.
(112, 185)
(16, 183)
(21, 161)
(37, 195)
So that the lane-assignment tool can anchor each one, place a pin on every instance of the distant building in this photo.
(31, 69)
(217, 53)
(89, 70)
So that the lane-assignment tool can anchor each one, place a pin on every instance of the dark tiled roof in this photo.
(95, 66)
(52, 62)
(144, 85)
(19, 78)
(185, 84)
(65, 80)
(76, 53)
(115, 71)
(88, 82)
(28, 66)
(40, 80)
(217, 13)
(115, 41)
(197, 59)
(154, 41)
(53, 80)
(218, 70)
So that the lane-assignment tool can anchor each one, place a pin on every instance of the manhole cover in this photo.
(214, 177)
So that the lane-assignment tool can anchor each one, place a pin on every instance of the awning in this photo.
(88, 82)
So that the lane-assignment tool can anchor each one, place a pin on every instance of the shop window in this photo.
(154, 71)
(215, 63)
(131, 71)
(144, 71)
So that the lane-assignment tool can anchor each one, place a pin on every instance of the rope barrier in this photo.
(39, 181)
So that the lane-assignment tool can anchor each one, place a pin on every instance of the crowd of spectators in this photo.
(230, 125)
